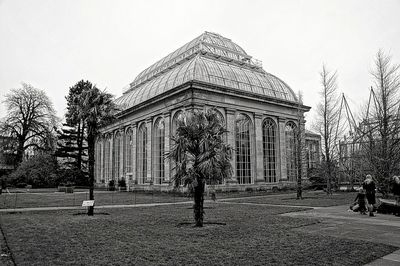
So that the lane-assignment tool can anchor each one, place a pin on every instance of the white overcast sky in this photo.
(53, 44)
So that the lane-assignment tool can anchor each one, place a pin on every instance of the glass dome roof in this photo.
(209, 58)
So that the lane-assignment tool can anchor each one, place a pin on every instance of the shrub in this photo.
(111, 185)
(21, 185)
(121, 182)
(74, 176)
(38, 171)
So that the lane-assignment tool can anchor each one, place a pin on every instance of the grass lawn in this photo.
(312, 198)
(253, 235)
(49, 198)
(59, 199)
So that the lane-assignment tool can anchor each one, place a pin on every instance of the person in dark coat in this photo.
(361, 201)
(369, 186)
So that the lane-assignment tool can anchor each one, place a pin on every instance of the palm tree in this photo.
(96, 109)
(200, 155)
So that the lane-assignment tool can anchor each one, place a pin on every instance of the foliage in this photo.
(70, 149)
(73, 176)
(95, 109)
(200, 155)
(111, 185)
(30, 120)
(75, 138)
(38, 171)
(121, 182)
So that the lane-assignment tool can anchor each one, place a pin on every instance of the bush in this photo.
(121, 183)
(21, 185)
(73, 176)
(38, 171)
(111, 185)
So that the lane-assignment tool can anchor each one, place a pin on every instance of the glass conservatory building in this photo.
(259, 110)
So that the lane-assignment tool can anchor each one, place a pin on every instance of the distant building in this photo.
(313, 149)
(259, 109)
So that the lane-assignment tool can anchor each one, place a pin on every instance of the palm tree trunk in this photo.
(91, 170)
(198, 208)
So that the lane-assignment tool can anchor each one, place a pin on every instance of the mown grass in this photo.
(253, 235)
(314, 199)
(60, 199)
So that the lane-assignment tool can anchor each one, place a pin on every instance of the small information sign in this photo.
(88, 203)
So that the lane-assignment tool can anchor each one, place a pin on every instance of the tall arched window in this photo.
(97, 160)
(269, 148)
(116, 155)
(243, 149)
(107, 163)
(177, 116)
(142, 154)
(291, 164)
(159, 141)
(128, 150)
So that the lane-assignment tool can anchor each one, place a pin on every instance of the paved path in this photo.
(337, 221)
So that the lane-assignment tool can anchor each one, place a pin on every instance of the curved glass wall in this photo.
(291, 153)
(243, 149)
(269, 150)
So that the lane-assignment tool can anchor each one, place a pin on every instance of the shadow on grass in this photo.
(294, 198)
(191, 208)
(188, 224)
(96, 213)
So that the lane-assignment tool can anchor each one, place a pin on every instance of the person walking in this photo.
(369, 186)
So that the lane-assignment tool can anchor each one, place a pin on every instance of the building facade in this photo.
(312, 149)
(260, 111)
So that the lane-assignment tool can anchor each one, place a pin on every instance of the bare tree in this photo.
(381, 143)
(30, 119)
(327, 121)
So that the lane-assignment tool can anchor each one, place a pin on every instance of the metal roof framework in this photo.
(209, 58)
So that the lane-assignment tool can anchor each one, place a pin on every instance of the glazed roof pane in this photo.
(209, 58)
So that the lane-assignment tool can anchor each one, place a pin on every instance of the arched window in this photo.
(220, 117)
(116, 155)
(98, 160)
(128, 150)
(178, 116)
(142, 154)
(159, 141)
(107, 168)
(269, 150)
(243, 149)
(291, 164)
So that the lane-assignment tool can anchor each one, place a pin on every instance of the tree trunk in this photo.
(198, 207)
(91, 138)
(299, 164)
(20, 152)
(79, 143)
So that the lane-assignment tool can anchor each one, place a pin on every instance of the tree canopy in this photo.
(200, 155)
(30, 119)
